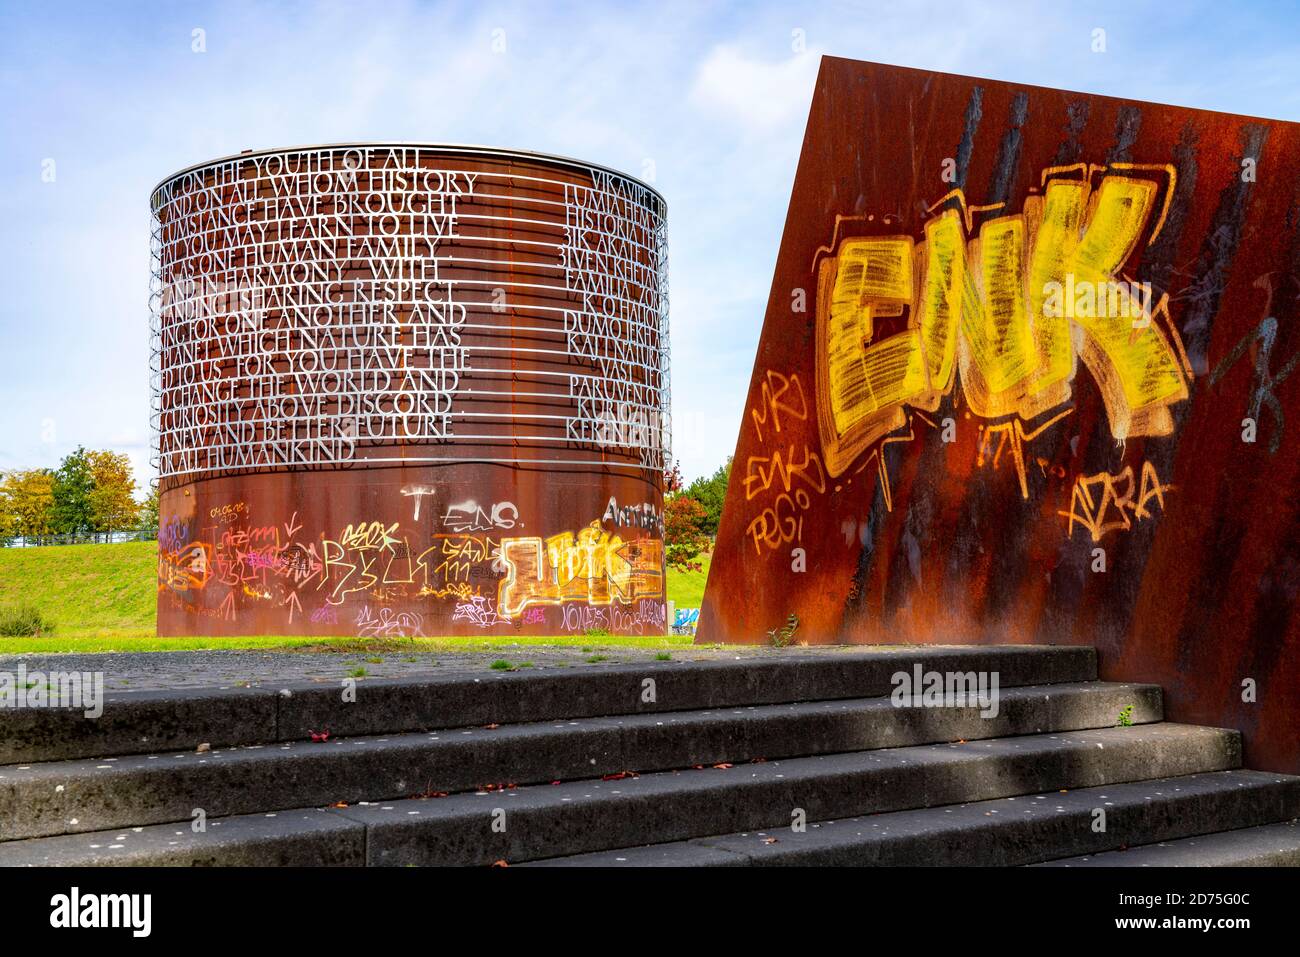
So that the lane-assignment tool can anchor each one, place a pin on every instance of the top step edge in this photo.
(1080, 661)
(147, 721)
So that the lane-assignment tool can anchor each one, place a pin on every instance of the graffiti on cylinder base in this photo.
(642, 515)
(369, 566)
(386, 623)
(173, 535)
(225, 514)
(480, 612)
(325, 615)
(646, 616)
(584, 618)
(469, 516)
(452, 560)
(184, 570)
(363, 557)
(594, 566)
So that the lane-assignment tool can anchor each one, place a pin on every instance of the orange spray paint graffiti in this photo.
(785, 479)
(1105, 503)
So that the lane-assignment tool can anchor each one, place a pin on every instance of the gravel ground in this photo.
(209, 669)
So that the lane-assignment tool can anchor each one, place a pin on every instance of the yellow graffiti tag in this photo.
(453, 558)
(1007, 310)
(363, 556)
(594, 566)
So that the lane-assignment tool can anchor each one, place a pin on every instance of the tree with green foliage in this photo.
(149, 509)
(711, 492)
(74, 480)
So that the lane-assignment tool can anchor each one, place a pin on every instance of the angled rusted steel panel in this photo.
(934, 449)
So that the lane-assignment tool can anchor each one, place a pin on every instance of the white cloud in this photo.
(758, 95)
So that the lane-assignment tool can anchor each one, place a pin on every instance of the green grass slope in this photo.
(686, 589)
(107, 590)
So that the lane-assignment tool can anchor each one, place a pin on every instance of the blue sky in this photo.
(707, 100)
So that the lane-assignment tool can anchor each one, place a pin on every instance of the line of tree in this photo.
(692, 514)
(91, 492)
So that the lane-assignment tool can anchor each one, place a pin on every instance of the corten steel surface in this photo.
(944, 441)
(409, 390)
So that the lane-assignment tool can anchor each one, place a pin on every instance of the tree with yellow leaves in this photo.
(112, 495)
(26, 503)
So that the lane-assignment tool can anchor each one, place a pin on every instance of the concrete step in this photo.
(150, 722)
(66, 797)
(591, 815)
(310, 837)
(1268, 845)
(1008, 831)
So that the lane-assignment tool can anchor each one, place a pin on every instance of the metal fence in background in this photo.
(81, 538)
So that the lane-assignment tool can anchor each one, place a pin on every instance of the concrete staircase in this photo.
(660, 763)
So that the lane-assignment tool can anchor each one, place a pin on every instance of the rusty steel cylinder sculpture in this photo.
(409, 390)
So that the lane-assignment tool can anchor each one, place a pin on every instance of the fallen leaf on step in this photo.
(619, 776)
